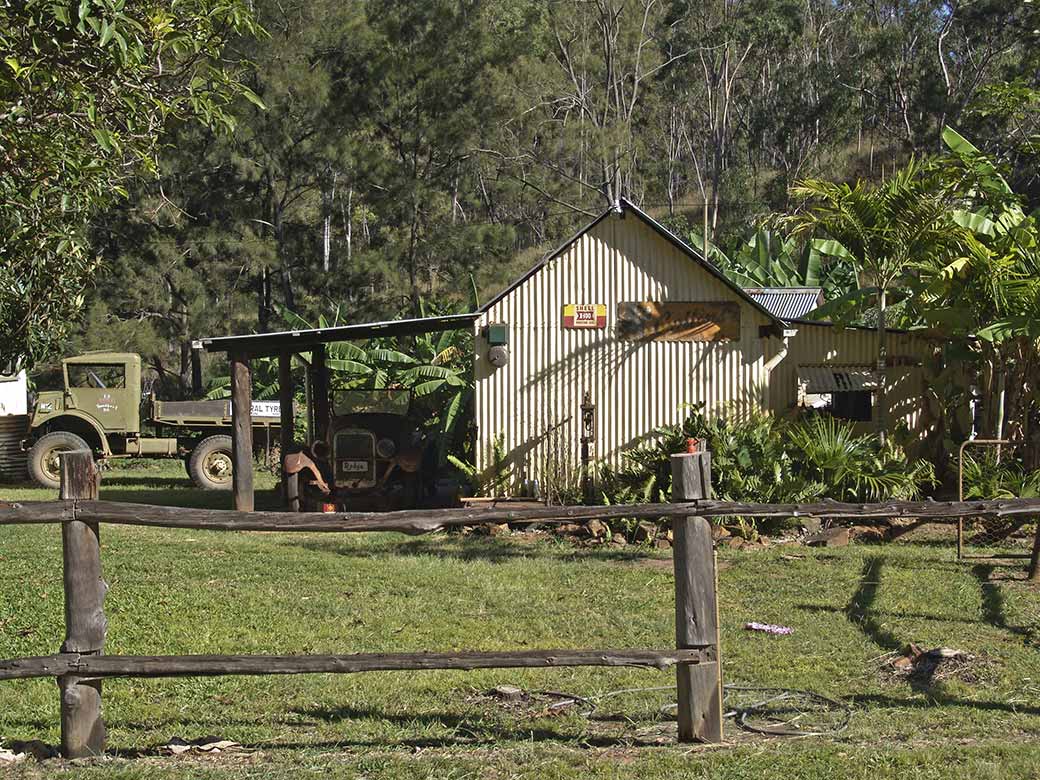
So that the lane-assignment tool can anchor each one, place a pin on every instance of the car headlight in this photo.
(386, 449)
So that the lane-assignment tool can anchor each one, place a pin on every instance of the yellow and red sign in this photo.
(584, 315)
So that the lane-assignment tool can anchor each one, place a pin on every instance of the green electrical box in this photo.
(497, 334)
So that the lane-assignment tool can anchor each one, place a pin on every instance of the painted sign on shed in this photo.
(584, 315)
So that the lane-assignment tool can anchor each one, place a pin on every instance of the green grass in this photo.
(199, 592)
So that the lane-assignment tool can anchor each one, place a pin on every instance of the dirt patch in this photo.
(924, 668)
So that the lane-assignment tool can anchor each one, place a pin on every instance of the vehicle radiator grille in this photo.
(354, 453)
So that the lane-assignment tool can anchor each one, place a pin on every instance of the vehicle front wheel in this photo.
(210, 463)
(44, 464)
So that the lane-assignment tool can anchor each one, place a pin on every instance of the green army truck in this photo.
(101, 409)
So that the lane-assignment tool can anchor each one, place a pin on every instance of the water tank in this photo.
(14, 427)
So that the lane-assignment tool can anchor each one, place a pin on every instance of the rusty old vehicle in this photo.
(373, 457)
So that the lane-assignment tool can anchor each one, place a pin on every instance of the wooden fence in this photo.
(81, 665)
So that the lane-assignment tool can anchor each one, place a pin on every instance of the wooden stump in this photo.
(696, 607)
(82, 727)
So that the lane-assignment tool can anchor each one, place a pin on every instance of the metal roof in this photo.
(787, 303)
(269, 343)
(837, 379)
(625, 206)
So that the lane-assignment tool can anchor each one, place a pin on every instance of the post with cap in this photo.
(696, 602)
(82, 728)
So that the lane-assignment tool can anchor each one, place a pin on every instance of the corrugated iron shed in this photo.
(787, 303)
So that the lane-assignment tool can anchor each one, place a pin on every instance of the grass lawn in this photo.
(210, 592)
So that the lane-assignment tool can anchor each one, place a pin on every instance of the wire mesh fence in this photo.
(990, 537)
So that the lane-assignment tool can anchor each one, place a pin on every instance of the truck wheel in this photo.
(44, 466)
(210, 463)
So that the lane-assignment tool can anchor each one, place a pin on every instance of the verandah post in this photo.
(1034, 559)
(696, 608)
(82, 727)
(287, 420)
(241, 431)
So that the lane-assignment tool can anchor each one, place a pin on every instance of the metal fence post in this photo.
(82, 728)
(696, 605)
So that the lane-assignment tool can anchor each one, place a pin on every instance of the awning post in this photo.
(241, 431)
(287, 423)
(320, 392)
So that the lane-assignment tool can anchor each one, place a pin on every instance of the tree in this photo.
(84, 93)
(987, 299)
(885, 232)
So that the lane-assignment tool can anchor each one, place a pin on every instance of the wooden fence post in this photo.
(696, 607)
(82, 729)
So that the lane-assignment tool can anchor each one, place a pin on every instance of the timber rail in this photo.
(428, 521)
(81, 665)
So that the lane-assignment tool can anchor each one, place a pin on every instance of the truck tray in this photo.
(211, 412)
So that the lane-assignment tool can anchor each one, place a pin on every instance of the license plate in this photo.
(352, 466)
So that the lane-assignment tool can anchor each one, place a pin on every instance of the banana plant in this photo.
(768, 259)
(987, 297)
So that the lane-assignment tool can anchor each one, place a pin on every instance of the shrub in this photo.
(765, 459)
(985, 478)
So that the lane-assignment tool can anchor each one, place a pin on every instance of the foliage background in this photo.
(408, 145)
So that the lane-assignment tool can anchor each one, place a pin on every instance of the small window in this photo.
(843, 391)
(853, 405)
(99, 376)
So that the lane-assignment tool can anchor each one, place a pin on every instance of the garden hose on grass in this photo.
(787, 712)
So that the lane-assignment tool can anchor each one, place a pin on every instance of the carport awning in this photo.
(837, 379)
(256, 344)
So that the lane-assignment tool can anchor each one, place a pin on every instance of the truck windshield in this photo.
(370, 402)
(99, 375)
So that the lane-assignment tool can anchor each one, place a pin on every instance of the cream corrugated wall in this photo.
(636, 387)
(816, 344)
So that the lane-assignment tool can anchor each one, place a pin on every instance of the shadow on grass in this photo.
(890, 614)
(469, 548)
(144, 481)
(861, 613)
(939, 699)
(462, 730)
(860, 610)
(993, 606)
(468, 728)
(179, 496)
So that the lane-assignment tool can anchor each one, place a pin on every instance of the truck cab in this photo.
(101, 396)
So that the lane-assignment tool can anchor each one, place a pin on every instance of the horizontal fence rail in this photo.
(81, 665)
(99, 666)
(421, 522)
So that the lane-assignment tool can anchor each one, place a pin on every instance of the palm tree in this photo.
(885, 232)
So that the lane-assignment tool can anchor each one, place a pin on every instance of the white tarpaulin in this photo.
(836, 379)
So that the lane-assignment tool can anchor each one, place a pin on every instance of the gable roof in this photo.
(626, 206)
(787, 303)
